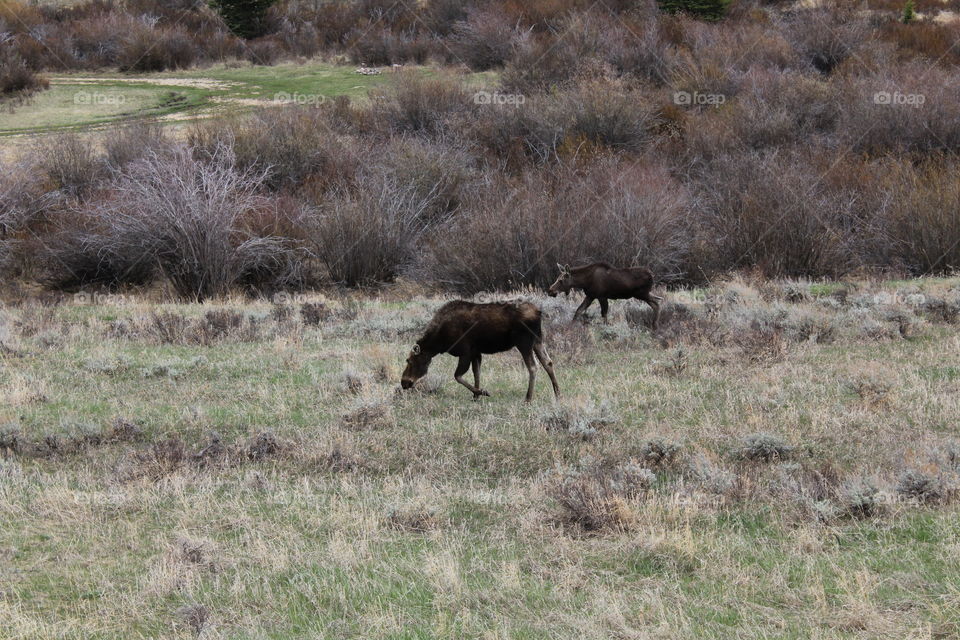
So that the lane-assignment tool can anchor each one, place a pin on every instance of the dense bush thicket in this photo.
(17, 78)
(541, 40)
(799, 142)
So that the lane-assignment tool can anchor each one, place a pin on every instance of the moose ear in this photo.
(416, 350)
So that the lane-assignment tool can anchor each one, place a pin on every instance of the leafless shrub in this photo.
(83, 254)
(485, 39)
(126, 144)
(69, 162)
(187, 214)
(123, 430)
(511, 235)
(827, 37)
(765, 447)
(605, 114)
(168, 327)
(368, 414)
(581, 420)
(538, 65)
(872, 386)
(17, 78)
(160, 460)
(862, 500)
(923, 486)
(11, 440)
(436, 174)
(772, 109)
(195, 617)
(416, 519)
(371, 236)
(596, 498)
(265, 51)
(677, 364)
(911, 108)
(414, 103)
(146, 49)
(762, 344)
(641, 50)
(942, 310)
(313, 313)
(262, 446)
(790, 221)
(292, 146)
(22, 202)
(922, 220)
(353, 382)
(660, 454)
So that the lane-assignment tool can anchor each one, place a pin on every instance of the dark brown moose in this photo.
(600, 281)
(468, 330)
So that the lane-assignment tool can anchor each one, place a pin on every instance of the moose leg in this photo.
(654, 302)
(583, 307)
(476, 377)
(531, 369)
(462, 367)
(603, 310)
(547, 364)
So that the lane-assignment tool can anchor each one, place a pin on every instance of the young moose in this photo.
(468, 330)
(600, 281)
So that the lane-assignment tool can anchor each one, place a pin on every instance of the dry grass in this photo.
(279, 482)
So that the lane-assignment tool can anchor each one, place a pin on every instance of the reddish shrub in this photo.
(157, 50)
(485, 39)
(914, 109)
(513, 234)
(16, 78)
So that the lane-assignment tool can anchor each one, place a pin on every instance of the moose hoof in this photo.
(481, 392)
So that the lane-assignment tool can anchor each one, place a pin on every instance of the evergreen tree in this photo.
(909, 15)
(244, 17)
(706, 9)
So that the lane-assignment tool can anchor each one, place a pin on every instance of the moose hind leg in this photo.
(654, 302)
(531, 370)
(547, 364)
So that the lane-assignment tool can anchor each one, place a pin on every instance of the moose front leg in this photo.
(462, 367)
(604, 307)
(476, 377)
(582, 308)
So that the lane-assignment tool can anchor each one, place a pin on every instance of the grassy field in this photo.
(85, 100)
(780, 461)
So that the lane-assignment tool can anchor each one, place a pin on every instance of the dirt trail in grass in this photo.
(197, 83)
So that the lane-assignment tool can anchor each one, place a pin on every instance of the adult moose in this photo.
(468, 330)
(600, 281)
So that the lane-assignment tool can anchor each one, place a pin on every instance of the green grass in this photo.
(311, 542)
(89, 100)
